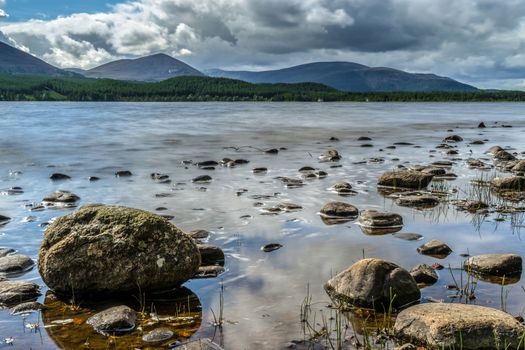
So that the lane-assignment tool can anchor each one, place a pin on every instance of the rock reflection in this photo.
(178, 311)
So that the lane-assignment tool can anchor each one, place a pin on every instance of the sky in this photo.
(481, 42)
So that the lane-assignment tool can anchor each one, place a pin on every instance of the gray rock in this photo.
(445, 325)
(519, 166)
(209, 271)
(453, 138)
(408, 236)
(494, 149)
(16, 292)
(112, 249)
(15, 264)
(158, 335)
(259, 170)
(423, 273)
(373, 218)
(435, 248)
(115, 320)
(123, 173)
(61, 197)
(343, 188)
(495, 264)
(370, 282)
(405, 179)
(471, 206)
(339, 210)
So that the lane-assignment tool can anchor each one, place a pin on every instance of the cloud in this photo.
(473, 40)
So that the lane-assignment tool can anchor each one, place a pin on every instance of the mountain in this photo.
(348, 76)
(150, 68)
(17, 62)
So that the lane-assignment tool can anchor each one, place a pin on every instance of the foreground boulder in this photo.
(405, 179)
(443, 325)
(112, 249)
(16, 292)
(373, 283)
(495, 264)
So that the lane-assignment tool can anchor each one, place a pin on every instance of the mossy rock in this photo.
(112, 250)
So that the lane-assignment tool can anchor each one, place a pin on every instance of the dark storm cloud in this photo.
(476, 40)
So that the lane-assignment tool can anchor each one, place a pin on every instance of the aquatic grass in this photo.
(219, 321)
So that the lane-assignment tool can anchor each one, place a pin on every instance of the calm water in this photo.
(263, 292)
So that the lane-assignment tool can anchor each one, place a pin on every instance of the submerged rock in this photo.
(495, 264)
(198, 234)
(211, 255)
(15, 264)
(271, 151)
(339, 210)
(114, 321)
(112, 249)
(471, 206)
(16, 292)
(157, 335)
(408, 236)
(445, 325)
(259, 170)
(435, 248)
(503, 155)
(373, 283)
(200, 344)
(453, 138)
(343, 188)
(405, 179)
(4, 220)
(423, 273)
(6, 251)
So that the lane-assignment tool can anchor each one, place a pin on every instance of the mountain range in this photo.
(345, 76)
(348, 76)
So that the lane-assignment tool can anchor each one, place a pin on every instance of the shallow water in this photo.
(263, 292)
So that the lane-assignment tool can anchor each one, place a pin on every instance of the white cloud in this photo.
(473, 40)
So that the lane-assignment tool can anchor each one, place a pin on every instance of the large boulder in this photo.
(111, 249)
(444, 326)
(374, 283)
(495, 264)
(405, 179)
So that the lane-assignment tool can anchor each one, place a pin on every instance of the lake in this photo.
(262, 291)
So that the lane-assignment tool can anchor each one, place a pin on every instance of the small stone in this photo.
(513, 183)
(114, 321)
(259, 170)
(453, 138)
(330, 156)
(271, 151)
(6, 251)
(373, 218)
(93, 178)
(58, 176)
(271, 247)
(211, 255)
(405, 179)
(61, 197)
(207, 163)
(202, 179)
(435, 248)
(364, 138)
(418, 201)
(481, 125)
(4, 220)
(503, 156)
(123, 173)
(339, 209)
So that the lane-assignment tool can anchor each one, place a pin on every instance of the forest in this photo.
(39, 88)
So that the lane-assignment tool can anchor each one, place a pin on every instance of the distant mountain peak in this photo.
(156, 67)
(349, 76)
